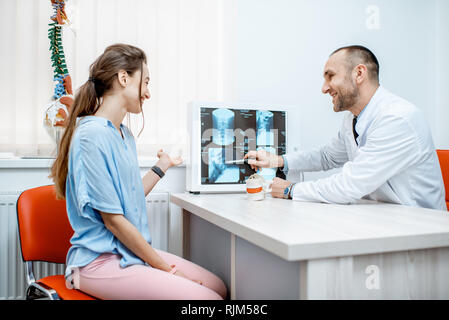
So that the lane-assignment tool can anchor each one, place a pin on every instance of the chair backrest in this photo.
(443, 156)
(44, 228)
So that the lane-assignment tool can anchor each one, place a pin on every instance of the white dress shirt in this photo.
(395, 160)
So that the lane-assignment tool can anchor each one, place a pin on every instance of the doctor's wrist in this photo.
(290, 193)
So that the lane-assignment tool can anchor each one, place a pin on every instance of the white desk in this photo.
(283, 249)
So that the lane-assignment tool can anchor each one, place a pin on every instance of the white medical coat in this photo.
(395, 160)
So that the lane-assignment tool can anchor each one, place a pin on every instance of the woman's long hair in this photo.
(87, 99)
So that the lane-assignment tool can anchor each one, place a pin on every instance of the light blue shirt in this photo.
(103, 175)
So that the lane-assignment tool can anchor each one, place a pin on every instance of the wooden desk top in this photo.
(296, 230)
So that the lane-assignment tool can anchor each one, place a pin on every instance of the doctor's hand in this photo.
(165, 161)
(278, 186)
(263, 159)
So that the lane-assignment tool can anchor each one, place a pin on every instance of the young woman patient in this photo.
(97, 172)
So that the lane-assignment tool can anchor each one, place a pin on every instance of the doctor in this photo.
(384, 145)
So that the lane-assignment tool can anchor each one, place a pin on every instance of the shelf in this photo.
(144, 162)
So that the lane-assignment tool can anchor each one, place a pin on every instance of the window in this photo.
(183, 40)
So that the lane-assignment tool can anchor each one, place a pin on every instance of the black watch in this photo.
(158, 171)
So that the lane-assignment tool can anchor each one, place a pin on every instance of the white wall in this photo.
(282, 46)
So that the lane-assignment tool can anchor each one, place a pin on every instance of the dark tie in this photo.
(354, 122)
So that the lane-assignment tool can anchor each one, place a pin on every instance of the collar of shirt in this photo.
(103, 121)
(368, 113)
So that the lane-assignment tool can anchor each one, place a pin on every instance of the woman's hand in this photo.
(180, 274)
(165, 161)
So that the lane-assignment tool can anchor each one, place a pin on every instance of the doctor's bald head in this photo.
(351, 74)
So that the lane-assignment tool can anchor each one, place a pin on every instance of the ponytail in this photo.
(86, 103)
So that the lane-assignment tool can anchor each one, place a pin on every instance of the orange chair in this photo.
(45, 233)
(443, 156)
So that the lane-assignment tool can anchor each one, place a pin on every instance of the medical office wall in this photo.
(282, 46)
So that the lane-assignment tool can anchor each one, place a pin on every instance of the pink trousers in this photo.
(105, 279)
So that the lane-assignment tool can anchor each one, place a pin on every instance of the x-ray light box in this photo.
(223, 132)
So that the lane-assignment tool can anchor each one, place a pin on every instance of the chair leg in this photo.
(34, 293)
(38, 290)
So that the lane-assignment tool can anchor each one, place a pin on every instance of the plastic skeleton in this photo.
(63, 89)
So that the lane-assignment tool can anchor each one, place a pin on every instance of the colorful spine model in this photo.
(63, 89)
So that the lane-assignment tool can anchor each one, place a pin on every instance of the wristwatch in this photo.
(158, 171)
(288, 191)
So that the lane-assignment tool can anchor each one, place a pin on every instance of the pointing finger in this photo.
(250, 154)
(254, 162)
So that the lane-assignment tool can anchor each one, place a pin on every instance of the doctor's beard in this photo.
(346, 97)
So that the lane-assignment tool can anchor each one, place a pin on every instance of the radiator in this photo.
(158, 211)
(12, 270)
